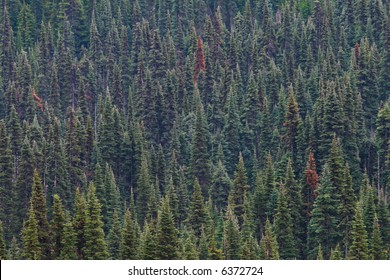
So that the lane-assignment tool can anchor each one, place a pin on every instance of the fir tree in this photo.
(167, 239)
(79, 223)
(269, 248)
(6, 186)
(128, 246)
(231, 236)
(239, 190)
(3, 249)
(200, 164)
(114, 237)
(322, 228)
(199, 60)
(57, 226)
(31, 245)
(335, 253)
(38, 205)
(376, 249)
(197, 216)
(95, 244)
(359, 245)
(68, 241)
(283, 227)
(310, 188)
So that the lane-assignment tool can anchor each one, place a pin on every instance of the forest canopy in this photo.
(194, 129)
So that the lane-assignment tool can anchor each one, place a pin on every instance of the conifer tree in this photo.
(14, 250)
(269, 248)
(322, 228)
(359, 245)
(292, 121)
(231, 131)
(114, 237)
(283, 227)
(197, 216)
(148, 243)
(128, 246)
(57, 226)
(221, 186)
(259, 206)
(231, 236)
(143, 189)
(167, 239)
(335, 253)
(68, 241)
(38, 204)
(346, 209)
(3, 248)
(376, 248)
(269, 186)
(200, 164)
(31, 245)
(214, 253)
(320, 254)
(295, 204)
(95, 244)
(310, 188)
(239, 190)
(6, 186)
(79, 223)
(199, 60)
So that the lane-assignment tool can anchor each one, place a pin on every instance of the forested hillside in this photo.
(194, 129)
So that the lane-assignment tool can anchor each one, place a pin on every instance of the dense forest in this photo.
(194, 129)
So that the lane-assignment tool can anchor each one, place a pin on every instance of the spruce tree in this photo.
(167, 234)
(310, 188)
(221, 186)
(38, 204)
(322, 228)
(128, 246)
(79, 223)
(197, 216)
(68, 241)
(6, 186)
(335, 253)
(143, 189)
(231, 236)
(269, 248)
(295, 204)
(359, 244)
(346, 209)
(239, 190)
(114, 237)
(3, 248)
(57, 226)
(148, 244)
(31, 245)
(283, 227)
(376, 248)
(200, 164)
(95, 244)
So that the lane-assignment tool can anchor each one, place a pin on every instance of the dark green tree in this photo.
(31, 246)
(197, 215)
(95, 244)
(359, 245)
(167, 234)
(128, 246)
(322, 228)
(57, 227)
(269, 248)
(283, 227)
(38, 204)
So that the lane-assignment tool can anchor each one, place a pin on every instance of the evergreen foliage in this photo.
(165, 129)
